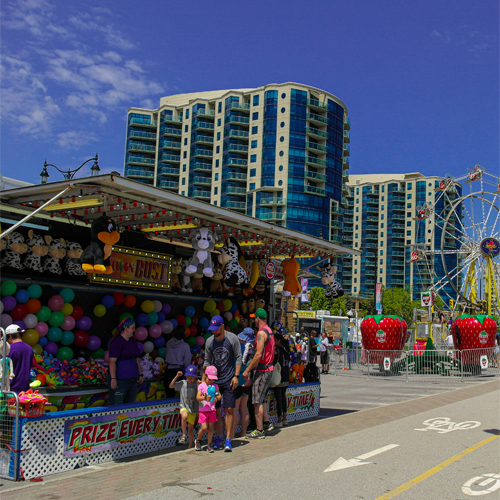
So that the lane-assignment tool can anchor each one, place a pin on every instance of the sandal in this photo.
(182, 440)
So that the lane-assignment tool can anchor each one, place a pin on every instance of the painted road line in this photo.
(491, 479)
(443, 425)
(430, 472)
(342, 463)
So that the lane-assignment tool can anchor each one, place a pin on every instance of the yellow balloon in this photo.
(31, 337)
(37, 349)
(209, 306)
(227, 304)
(215, 312)
(147, 306)
(237, 319)
(67, 309)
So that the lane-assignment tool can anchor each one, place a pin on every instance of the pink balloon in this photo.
(155, 331)
(141, 333)
(5, 320)
(69, 323)
(56, 303)
(42, 328)
(166, 326)
(200, 340)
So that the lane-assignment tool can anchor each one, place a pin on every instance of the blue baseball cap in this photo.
(190, 371)
(215, 323)
(247, 335)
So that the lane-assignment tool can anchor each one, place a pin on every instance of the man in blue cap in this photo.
(223, 351)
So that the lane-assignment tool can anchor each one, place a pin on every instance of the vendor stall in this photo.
(89, 254)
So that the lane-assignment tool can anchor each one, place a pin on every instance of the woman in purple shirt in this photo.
(124, 365)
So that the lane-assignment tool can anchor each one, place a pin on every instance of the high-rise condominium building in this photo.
(380, 219)
(278, 152)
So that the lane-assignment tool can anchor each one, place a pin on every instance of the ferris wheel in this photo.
(464, 265)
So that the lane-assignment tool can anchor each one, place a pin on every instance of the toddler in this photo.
(189, 404)
(208, 395)
(248, 336)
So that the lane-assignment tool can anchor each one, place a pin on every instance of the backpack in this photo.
(311, 373)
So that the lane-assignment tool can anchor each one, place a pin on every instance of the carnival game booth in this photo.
(78, 257)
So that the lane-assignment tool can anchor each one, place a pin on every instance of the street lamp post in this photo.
(69, 174)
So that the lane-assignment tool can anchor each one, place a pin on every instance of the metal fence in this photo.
(414, 364)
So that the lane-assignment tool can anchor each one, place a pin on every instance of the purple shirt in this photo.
(22, 359)
(126, 353)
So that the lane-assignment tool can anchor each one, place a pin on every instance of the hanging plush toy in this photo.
(216, 284)
(291, 269)
(15, 247)
(333, 288)
(197, 283)
(260, 287)
(185, 279)
(203, 242)
(73, 253)
(56, 252)
(230, 255)
(104, 234)
(176, 270)
(37, 248)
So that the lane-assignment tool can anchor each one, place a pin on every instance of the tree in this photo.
(398, 301)
(339, 307)
(318, 300)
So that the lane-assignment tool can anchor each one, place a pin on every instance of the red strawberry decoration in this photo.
(476, 332)
(383, 333)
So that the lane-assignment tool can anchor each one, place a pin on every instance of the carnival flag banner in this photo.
(378, 298)
(305, 293)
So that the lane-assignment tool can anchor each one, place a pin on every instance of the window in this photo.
(185, 141)
(254, 144)
(252, 185)
(408, 223)
(184, 155)
(381, 252)
(217, 150)
(382, 234)
(356, 235)
(183, 193)
(408, 233)
(357, 190)
(383, 189)
(283, 110)
(183, 168)
(282, 124)
(356, 279)
(216, 177)
(255, 116)
(381, 243)
(216, 189)
(280, 168)
(408, 196)
(280, 183)
(381, 262)
(382, 225)
(408, 186)
(255, 100)
(255, 130)
(382, 216)
(357, 209)
(356, 227)
(408, 205)
(183, 181)
(282, 139)
(215, 202)
(355, 271)
(382, 207)
(186, 128)
(253, 172)
(283, 96)
(408, 214)
(383, 198)
(355, 289)
(357, 218)
(253, 158)
(408, 242)
(219, 121)
(216, 163)
(381, 270)
(380, 280)
(218, 136)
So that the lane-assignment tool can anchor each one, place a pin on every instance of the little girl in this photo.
(207, 413)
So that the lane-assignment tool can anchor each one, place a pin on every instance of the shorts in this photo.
(207, 416)
(324, 357)
(191, 417)
(241, 391)
(261, 381)
(227, 394)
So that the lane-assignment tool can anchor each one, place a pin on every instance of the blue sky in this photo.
(420, 79)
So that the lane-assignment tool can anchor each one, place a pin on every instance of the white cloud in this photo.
(74, 139)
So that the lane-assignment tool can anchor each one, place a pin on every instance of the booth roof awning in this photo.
(165, 216)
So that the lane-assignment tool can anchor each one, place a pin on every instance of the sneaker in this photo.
(197, 445)
(268, 427)
(227, 445)
(249, 431)
(257, 434)
(182, 440)
(285, 423)
(217, 442)
(278, 425)
(210, 448)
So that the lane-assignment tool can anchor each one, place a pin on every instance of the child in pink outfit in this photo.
(208, 395)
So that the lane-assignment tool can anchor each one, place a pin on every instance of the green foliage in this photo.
(318, 301)
(398, 301)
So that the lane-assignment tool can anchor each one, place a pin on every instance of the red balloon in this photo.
(81, 338)
(220, 306)
(119, 298)
(129, 301)
(180, 319)
(19, 312)
(33, 306)
(192, 329)
(77, 312)
(187, 331)
(154, 354)
(194, 321)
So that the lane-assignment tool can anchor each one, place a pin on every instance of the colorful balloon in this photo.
(35, 291)
(64, 354)
(193, 330)
(148, 346)
(228, 316)
(22, 296)
(84, 323)
(200, 340)
(21, 324)
(19, 312)
(152, 318)
(81, 338)
(155, 331)
(42, 328)
(165, 309)
(187, 321)
(37, 349)
(99, 310)
(220, 306)
(194, 320)
(43, 314)
(204, 322)
(55, 303)
(30, 320)
(118, 298)
(33, 306)
(55, 334)
(189, 311)
(5, 320)
(69, 323)
(157, 306)
(94, 343)
(108, 301)
(191, 341)
(67, 294)
(209, 306)
(123, 316)
(142, 319)
(181, 320)
(234, 308)
(8, 288)
(161, 317)
(43, 341)
(147, 306)
(31, 337)
(67, 309)
(227, 305)
(166, 326)
(67, 337)
(9, 303)
(98, 353)
(141, 333)
(129, 301)
(159, 342)
(174, 322)
(51, 348)
(215, 312)
(56, 318)
(162, 352)
(77, 312)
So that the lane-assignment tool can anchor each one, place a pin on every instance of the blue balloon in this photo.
(234, 308)
(43, 341)
(142, 319)
(161, 317)
(174, 322)
(152, 318)
(22, 296)
(159, 342)
(108, 301)
(204, 322)
(195, 349)
(54, 334)
(189, 312)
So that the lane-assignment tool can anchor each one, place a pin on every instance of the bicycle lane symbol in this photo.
(443, 425)
(491, 480)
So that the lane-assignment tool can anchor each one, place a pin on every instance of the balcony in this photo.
(171, 131)
(236, 205)
(337, 210)
(203, 153)
(234, 176)
(238, 148)
(236, 190)
(141, 160)
(347, 137)
(271, 201)
(371, 209)
(234, 161)
(140, 174)
(169, 185)
(170, 171)
(397, 253)
(314, 103)
(398, 216)
(336, 238)
(312, 117)
(315, 161)
(309, 174)
(204, 139)
(399, 244)
(316, 132)
(204, 195)
(202, 167)
(348, 220)
(370, 273)
(239, 119)
(173, 158)
(141, 122)
(202, 181)
(345, 163)
(238, 133)
(243, 106)
(172, 119)
(315, 147)
(142, 135)
(315, 190)
(337, 224)
(205, 112)
(171, 145)
(397, 282)
(371, 218)
(272, 216)
(204, 126)
(373, 237)
(347, 123)
(371, 245)
(138, 146)
(346, 150)
(349, 211)
(397, 197)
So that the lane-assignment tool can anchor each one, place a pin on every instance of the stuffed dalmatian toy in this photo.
(15, 247)
(230, 255)
(57, 252)
(333, 288)
(73, 254)
(38, 247)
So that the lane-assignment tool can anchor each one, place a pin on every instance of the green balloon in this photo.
(162, 352)
(65, 354)
(188, 321)
(191, 341)
(207, 335)
(56, 318)
(152, 318)
(67, 294)
(232, 324)
(67, 338)
(8, 288)
(99, 354)
(35, 291)
(123, 316)
(44, 314)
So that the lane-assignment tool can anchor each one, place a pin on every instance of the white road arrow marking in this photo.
(342, 463)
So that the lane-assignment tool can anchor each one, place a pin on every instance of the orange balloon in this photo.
(187, 331)
(41, 377)
(129, 301)
(33, 306)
